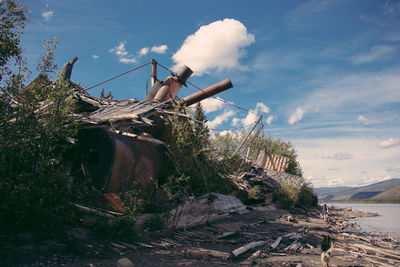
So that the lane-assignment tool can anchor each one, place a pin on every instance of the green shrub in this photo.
(288, 195)
(307, 198)
(291, 196)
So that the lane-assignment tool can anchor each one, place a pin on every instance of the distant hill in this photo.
(390, 195)
(385, 191)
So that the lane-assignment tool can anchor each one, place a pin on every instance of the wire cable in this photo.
(87, 89)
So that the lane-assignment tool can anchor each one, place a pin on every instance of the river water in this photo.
(387, 223)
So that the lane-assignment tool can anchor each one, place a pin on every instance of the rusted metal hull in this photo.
(118, 163)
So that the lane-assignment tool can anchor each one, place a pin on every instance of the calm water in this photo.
(387, 223)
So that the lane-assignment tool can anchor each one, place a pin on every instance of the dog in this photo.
(326, 247)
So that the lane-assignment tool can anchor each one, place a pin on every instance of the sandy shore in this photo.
(216, 244)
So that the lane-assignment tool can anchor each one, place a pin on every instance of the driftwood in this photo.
(129, 245)
(295, 246)
(204, 253)
(276, 243)
(108, 214)
(377, 250)
(239, 251)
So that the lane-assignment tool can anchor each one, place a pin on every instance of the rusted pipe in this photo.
(153, 72)
(207, 92)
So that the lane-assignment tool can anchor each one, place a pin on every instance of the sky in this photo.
(324, 74)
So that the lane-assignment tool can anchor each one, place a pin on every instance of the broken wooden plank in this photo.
(243, 249)
(295, 246)
(276, 243)
(227, 234)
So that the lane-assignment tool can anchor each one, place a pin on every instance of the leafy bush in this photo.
(291, 196)
(288, 195)
(307, 198)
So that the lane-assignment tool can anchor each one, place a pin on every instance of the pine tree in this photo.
(200, 128)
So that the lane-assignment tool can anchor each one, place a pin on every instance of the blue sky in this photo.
(324, 74)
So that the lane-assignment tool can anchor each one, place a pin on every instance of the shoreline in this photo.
(279, 238)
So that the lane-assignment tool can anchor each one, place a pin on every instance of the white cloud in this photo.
(263, 108)
(296, 116)
(119, 50)
(47, 15)
(127, 60)
(391, 142)
(211, 104)
(364, 120)
(335, 182)
(225, 132)
(216, 46)
(235, 121)
(95, 56)
(339, 156)
(250, 118)
(161, 49)
(270, 119)
(221, 118)
(122, 53)
(377, 52)
(144, 51)
(253, 115)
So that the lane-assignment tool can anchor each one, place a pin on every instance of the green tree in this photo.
(12, 21)
(34, 129)
(200, 129)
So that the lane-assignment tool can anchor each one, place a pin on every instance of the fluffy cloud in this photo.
(296, 116)
(235, 121)
(161, 49)
(249, 119)
(270, 119)
(122, 53)
(47, 15)
(144, 51)
(221, 119)
(252, 116)
(377, 52)
(216, 46)
(339, 156)
(391, 142)
(263, 108)
(95, 56)
(211, 104)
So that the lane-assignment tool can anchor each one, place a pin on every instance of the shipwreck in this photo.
(120, 145)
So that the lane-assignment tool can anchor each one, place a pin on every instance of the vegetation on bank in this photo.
(292, 195)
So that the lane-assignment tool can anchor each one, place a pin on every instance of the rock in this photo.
(124, 262)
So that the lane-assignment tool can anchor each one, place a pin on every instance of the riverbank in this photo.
(275, 238)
